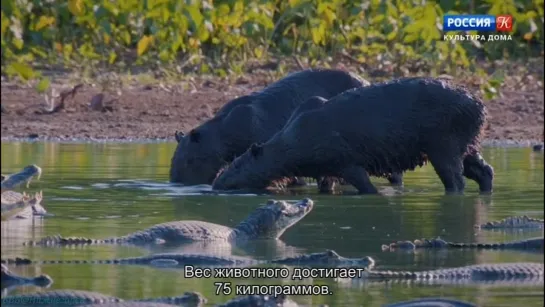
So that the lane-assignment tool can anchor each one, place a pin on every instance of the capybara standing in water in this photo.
(250, 119)
(384, 128)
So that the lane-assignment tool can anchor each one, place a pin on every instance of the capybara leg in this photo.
(359, 178)
(396, 179)
(450, 171)
(326, 184)
(476, 168)
(297, 182)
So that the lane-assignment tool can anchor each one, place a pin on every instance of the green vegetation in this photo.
(219, 37)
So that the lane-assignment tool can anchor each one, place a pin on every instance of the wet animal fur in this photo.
(250, 119)
(384, 128)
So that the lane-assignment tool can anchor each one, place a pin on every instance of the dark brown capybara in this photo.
(202, 152)
(384, 128)
(326, 184)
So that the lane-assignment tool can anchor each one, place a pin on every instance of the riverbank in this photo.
(141, 111)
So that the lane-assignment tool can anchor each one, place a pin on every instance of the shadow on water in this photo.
(106, 190)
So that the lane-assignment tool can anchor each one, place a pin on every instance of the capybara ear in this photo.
(178, 135)
(194, 136)
(256, 150)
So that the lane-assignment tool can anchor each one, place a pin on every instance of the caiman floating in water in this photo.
(517, 273)
(532, 244)
(10, 279)
(513, 222)
(432, 302)
(327, 258)
(268, 221)
(17, 205)
(70, 297)
(96, 299)
(10, 182)
(21, 205)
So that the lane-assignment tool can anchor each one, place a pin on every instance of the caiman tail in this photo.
(62, 241)
(533, 243)
(26, 261)
(138, 237)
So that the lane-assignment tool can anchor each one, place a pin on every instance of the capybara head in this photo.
(269, 221)
(245, 172)
(205, 149)
(476, 168)
(198, 155)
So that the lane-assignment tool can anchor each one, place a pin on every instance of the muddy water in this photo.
(103, 190)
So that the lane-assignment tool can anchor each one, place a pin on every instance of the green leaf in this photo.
(112, 57)
(44, 21)
(43, 85)
(143, 44)
(164, 55)
(23, 70)
(18, 43)
(76, 7)
(391, 36)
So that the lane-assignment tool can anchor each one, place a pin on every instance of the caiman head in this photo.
(269, 221)
(328, 258)
(24, 176)
(43, 280)
(10, 279)
(33, 170)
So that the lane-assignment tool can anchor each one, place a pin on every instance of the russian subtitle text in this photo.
(227, 288)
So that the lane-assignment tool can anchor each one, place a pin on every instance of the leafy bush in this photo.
(213, 36)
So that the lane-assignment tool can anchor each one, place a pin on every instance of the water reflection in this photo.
(106, 190)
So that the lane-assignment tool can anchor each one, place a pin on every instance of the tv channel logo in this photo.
(500, 23)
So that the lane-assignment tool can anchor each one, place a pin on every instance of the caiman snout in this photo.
(306, 204)
(43, 280)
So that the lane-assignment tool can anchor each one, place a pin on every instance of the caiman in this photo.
(268, 221)
(129, 304)
(432, 302)
(10, 279)
(240, 301)
(518, 273)
(260, 301)
(68, 297)
(327, 258)
(9, 182)
(534, 244)
(21, 205)
(513, 222)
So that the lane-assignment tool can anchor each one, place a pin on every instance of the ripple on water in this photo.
(70, 199)
(69, 187)
(100, 185)
(171, 189)
(418, 210)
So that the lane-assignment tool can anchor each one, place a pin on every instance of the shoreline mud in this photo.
(152, 112)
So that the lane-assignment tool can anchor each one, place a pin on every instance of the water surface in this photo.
(105, 190)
